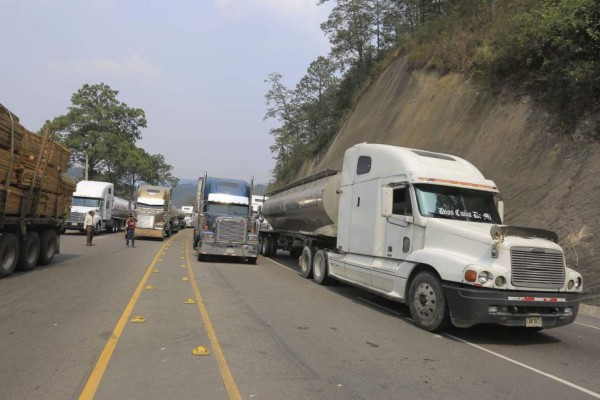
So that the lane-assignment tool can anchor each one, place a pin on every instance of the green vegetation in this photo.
(548, 49)
(101, 133)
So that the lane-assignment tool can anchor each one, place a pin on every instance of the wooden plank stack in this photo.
(52, 190)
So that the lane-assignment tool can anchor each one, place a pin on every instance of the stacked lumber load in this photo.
(37, 185)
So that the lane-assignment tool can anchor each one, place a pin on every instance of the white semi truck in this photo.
(188, 211)
(110, 211)
(425, 229)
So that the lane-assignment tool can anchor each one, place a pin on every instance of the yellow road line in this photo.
(91, 386)
(230, 385)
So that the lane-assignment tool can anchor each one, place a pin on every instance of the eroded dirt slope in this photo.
(548, 179)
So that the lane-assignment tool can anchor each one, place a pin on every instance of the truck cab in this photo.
(224, 226)
(91, 196)
(426, 228)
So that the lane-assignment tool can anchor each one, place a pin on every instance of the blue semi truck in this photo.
(223, 226)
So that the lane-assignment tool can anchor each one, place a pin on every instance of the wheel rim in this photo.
(318, 267)
(304, 263)
(50, 249)
(425, 300)
(8, 257)
(32, 252)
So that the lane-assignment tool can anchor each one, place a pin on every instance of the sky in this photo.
(196, 67)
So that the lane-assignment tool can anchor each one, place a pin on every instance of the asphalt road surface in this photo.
(66, 332)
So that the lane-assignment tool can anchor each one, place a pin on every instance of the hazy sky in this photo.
(197, 67)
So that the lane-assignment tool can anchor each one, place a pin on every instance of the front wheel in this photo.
(427, 303)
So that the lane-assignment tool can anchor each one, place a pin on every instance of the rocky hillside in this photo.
(549, 179)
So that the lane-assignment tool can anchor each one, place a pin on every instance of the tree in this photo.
(136, 166)
(96, 125)
(162, 172)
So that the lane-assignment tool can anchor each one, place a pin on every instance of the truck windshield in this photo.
(457, 203)
(236, 209)
(86, 201)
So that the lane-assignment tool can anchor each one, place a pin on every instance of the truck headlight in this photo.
(484, 276)
(158, 226)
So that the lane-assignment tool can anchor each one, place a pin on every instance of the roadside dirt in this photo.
(548, 179)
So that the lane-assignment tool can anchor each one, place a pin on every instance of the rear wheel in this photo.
(47, 247)
(321, 268)
(264, 245)
(427, 303)
(273, 247)
(29, 251)
(9, 254)
(306, 262)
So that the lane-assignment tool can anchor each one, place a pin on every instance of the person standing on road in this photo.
(130, 225)
(88, 225)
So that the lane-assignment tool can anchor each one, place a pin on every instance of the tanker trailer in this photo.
(303, 213)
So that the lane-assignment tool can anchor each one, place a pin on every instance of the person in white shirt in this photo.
(88, 224)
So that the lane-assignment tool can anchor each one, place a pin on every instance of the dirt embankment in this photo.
(548, 179)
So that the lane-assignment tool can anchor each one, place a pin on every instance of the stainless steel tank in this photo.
(309, 205)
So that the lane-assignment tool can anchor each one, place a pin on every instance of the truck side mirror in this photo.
(501, 210)
(387, 199)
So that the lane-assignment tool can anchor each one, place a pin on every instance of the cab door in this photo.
(399, 232)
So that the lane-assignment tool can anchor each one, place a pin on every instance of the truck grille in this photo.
(77, 217)
(231, 230)
(145, 221)
(539, 268)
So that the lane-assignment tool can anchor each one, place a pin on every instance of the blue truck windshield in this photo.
(235, 209)
(457, 203)
(86, 202)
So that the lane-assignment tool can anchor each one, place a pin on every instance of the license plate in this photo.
(533, 322)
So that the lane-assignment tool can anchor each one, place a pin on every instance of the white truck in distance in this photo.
(424, 229)
(111, 211)
(189, 215)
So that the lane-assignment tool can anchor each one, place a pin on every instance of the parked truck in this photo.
(153, 212)
(224, 226)
(35, 196)
(425, 229)
(110, 211)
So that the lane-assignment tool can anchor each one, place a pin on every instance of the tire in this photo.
(47, 247)
(98, 228)
(306, 262)
(201, 257)
(29, 253)
(264, 245)
(9, 254)
(427, 303)
(273, 247)
(321, 268)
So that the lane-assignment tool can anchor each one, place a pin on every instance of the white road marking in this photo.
(281, 265)
(589, 326)
(553, 377)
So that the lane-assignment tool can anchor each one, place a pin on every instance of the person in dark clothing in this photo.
(130, 225)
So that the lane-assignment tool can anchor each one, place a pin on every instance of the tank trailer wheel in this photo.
(264, 246)
(47, 247)
(272, 247)
(321, 268)
(9, 253)
(427, 303)
(306, 262)
(30, 251)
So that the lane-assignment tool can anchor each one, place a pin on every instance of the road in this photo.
(66, 333)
